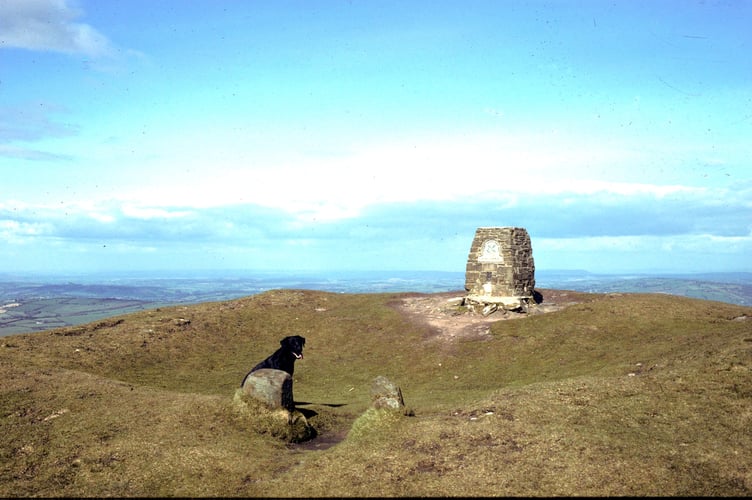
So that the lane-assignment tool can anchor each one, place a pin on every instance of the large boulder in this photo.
(266, 399)
(271, 387)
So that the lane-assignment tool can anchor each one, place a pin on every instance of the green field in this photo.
(34, 315)
(617, 394)
(733, 293)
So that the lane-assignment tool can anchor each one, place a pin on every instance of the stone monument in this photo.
(500, 268)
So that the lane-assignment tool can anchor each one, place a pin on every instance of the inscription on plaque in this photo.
(490, 252)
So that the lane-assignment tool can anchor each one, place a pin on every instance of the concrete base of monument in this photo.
(490, 303)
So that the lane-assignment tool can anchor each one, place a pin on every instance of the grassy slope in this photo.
(619, 395)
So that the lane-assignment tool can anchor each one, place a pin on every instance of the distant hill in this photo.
(613, 394)
(734, 288)
(41, 303)
(733, 293)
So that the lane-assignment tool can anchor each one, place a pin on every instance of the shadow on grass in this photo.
(308, 413)
(330, 405)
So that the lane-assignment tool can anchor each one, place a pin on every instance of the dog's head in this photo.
(294, 344)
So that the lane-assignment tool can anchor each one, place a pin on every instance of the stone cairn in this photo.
(500, 269)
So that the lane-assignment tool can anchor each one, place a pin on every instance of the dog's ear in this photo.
(289, 340)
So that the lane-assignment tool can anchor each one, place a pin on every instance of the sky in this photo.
(374, 135)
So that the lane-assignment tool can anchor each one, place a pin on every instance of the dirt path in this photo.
(440, 311)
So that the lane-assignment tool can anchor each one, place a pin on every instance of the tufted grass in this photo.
(632, 394)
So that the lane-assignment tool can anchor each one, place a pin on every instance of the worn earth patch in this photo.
(449, 320)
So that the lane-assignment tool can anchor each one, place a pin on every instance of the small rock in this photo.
(455, 301)
(386, 394)
(490, 309)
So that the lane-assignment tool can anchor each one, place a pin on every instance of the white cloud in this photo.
(102, 217)
(49, 25)
(138, 212)
(665, 253)
(16, 232)
(24, 153)
(504, 169)
(635, 233)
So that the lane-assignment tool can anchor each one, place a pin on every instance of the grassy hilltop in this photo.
(615, 394)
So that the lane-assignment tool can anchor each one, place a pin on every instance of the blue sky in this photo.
(374, 135)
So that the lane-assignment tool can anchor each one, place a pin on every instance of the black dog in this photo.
(283, 358)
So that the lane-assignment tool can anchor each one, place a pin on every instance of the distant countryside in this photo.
(37, 303)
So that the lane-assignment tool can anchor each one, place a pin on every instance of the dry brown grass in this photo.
(616, 395)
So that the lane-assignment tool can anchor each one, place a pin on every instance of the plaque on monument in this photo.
(490, 252)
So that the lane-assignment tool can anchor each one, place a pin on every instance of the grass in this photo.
(631, 394)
